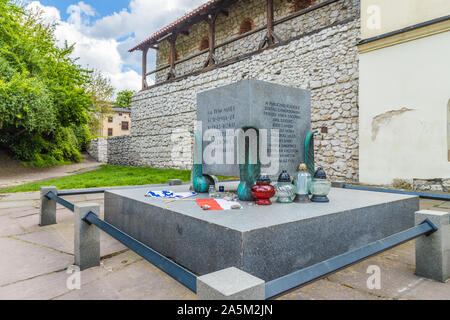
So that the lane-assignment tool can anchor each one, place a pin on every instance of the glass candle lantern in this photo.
(320, 187)
(284, 189)
(302, 181)
(263, 190)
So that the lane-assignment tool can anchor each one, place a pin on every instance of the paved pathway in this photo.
(34, 261)
(12, 173)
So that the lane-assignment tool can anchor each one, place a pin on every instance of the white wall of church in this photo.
(404, 93)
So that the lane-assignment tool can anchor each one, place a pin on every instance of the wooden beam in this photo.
(271, 38)
(270, 22)
(173, 56)
(144, 68)
(212, 60)
(236, 38)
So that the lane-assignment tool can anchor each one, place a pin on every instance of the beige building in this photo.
(117, 124)
(404, 92)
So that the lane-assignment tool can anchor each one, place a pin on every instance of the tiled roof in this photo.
(176, 23)
(124, 110)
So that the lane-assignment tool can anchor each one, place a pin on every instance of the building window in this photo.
(110, 119)
(246, 26)
(120, 114)
(298, 5)
(204, 44)
(125, 125)
(110, 132)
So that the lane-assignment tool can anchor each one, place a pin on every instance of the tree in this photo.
(43, 100)
(123, 99)
(101, 92)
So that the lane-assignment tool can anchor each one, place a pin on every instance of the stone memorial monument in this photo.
(260, 105)
(247, 128)
(265, 241)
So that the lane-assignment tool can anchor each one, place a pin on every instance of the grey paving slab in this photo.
(23, 213)
(397, 277)
(61, 238)
(139, 280)
(425, 289)
(327, 290)
(20, 196)
(22, 260)
(49, 286)
(18, 204)
(398, 281)
(8, 211)
(9, 227)
(444, 205)
(431, 204)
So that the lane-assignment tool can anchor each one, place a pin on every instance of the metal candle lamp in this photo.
(285, 190)
(263, 190)
(320, 187)
(302, 181)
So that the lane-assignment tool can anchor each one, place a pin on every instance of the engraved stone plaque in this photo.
(261, 105)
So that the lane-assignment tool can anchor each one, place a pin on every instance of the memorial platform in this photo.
(268, 242)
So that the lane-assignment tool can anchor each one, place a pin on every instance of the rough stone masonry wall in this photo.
(97, 149)
(323, 60)
(121, 150)
(228, 27)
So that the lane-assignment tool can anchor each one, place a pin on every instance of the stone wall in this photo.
(120, 150)
(97, 149)
(228, 27)
(320, 56)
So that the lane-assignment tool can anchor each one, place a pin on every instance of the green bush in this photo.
(44, 103)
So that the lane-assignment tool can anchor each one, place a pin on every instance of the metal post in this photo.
(433, 251)
(87, 238)
(47, 214)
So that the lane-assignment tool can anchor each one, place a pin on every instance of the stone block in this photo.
(47, 214)
(433, 251)
(87, 238)
(230, 284)
(175, 182)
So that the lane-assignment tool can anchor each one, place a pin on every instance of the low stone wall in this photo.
(432, 185)
(120, 151)
(97, 149)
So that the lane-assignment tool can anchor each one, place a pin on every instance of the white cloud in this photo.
(103, 44)
(50, 14)
(79, 14)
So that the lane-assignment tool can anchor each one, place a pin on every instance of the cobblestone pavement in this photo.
(34, 264)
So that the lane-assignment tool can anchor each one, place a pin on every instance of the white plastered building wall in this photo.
(404, 96)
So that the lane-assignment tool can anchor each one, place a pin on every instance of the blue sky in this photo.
(102, 7)
(103, 31)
